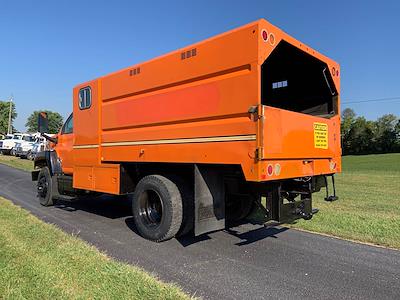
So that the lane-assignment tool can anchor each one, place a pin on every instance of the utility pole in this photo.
(9, 130)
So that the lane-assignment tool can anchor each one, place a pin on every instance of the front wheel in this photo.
(157, 208)
(29, 156)
(45, 187)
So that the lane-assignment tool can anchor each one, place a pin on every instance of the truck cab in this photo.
(64, 145)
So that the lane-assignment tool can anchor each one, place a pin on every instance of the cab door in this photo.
(86, 124)
(65, 145)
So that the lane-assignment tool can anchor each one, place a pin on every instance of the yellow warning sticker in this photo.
(321, 135)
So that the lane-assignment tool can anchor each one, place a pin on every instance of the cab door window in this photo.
(85, 98)
(68, 126)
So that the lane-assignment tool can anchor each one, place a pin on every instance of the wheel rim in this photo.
(151, 208)
(42, 187)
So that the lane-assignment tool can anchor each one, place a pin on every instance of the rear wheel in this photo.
(157, 208)
(45, 187)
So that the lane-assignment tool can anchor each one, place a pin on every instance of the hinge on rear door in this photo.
(257, 113)
(259, 153)
(253, 111)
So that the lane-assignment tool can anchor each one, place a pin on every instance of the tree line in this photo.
(55, 119)
(361, 136)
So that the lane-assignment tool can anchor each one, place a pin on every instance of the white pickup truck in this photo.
(7, 145)
(24, 147)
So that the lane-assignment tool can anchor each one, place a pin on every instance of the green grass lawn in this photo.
(39, 261)
(368, 209)
(16, 162)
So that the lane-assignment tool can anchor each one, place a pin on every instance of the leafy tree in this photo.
(55, 121)
(360, 136)
(349, 114)
(385, 135)
(348, 118)
(4, 111)
(397, 131)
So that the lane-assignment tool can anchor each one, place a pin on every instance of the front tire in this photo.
(45, 187)
(29, 156)
(157, 208)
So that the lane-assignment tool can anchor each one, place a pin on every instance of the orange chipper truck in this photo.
(200, 135)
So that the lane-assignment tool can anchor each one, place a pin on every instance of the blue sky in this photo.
(47, 47)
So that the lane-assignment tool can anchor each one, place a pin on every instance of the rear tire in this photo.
(157, 208)
(239, 207)
(45, 187)
(187, 195)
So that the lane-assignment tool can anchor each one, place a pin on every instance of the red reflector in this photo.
(264, 34)
(270, 170)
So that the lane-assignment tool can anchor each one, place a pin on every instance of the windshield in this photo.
(8, 137)
(28, 138)
(17, 137)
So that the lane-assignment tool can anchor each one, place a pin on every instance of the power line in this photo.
(373, 100)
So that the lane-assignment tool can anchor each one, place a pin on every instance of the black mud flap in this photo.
(209, 199)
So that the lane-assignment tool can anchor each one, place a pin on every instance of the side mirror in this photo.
(43, 122)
